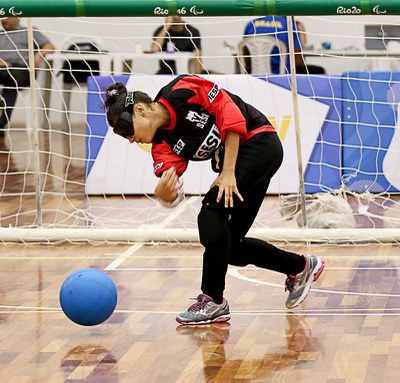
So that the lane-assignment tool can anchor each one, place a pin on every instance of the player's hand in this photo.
(168, 185)
(227, 187)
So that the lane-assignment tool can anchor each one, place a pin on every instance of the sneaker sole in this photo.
(222, 318)
(316, 273)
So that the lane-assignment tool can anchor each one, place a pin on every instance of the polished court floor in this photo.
(347, 330)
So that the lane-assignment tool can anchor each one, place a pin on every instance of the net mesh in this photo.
(349, 121)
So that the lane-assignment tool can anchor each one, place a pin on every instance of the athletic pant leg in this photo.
(253, 185)
(216, 238)
(222, 228)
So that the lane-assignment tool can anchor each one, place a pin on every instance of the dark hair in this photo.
(115, 101)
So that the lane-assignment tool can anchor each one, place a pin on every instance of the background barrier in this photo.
(348, 129)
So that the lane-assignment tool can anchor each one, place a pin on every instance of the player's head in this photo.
(120, 106)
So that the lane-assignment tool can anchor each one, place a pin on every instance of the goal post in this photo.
(73, 8)
(184, 235)
(349, 121)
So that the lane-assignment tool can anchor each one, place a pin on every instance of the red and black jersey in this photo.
(201, 115)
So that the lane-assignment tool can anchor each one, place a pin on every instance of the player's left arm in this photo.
(226, 181)
(232, 125)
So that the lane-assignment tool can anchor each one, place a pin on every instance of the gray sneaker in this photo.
(205, 310)
(299, 285)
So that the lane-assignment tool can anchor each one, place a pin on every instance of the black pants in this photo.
(223, 231)
(310, 69)
(11, 79)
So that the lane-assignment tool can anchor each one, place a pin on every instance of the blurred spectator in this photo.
(277, 26)
(301, 32)
(177, 36)
(312, 69)
(14, 62)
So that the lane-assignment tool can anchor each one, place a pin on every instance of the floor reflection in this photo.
(90, 363)
(300, 351)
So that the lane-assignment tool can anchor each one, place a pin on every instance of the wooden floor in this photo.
(347, 330)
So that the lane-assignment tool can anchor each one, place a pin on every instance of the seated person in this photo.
(277, 26)
(177, 36)
(14, 62)
(302, 32)
(310, 69)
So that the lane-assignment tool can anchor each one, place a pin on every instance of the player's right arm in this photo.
(169, 189)
(169, 167)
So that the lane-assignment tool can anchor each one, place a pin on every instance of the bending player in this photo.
(193, 119)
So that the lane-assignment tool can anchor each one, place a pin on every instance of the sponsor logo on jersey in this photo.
(213, 93)
(199, 118)
(129, 100)
(158, 166)
(179, 146)
(211, 142)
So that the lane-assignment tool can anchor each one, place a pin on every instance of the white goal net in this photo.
(65, 176)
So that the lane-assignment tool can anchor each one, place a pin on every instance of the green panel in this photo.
(162, 8)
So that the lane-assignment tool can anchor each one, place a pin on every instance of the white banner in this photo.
(121, 167)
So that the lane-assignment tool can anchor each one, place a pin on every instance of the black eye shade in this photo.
(124, 126)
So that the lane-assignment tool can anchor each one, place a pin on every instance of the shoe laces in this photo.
(202, 302)
(291, 280)
(290, 283)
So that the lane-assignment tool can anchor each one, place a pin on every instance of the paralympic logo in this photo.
(11, 12)
(377, 11)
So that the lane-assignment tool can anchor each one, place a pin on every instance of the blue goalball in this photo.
(88, 297)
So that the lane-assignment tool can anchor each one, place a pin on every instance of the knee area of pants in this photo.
(237, 258)
(211, 227)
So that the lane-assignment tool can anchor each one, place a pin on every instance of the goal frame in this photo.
(92, 8)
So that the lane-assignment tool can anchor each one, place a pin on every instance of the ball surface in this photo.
(88, 297)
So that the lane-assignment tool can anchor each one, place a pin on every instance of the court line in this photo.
(177, 211)
(362, 268)
(261, 312)
(29, 308)
(133, 249)
(158, 269)
(234, 272)
(249, 268)
(244, 311)
(122, 258)
(374, 258)
(42, 258)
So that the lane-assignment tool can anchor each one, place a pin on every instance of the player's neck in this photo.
(162, 115)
